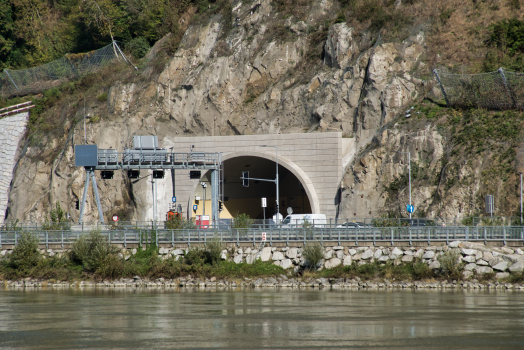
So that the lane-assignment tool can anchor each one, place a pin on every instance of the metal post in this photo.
(520, 198)
(97, 197)
(12, 81)
(84, 198)
(214, 197)
(153, 188)
(409, 162)
(441, 87)
(508, 91)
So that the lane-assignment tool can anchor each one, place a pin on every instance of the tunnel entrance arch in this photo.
(296, 189)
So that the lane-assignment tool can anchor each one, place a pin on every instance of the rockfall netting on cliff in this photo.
(494, 90)
(71, 66)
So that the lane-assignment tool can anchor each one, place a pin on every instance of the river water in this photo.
(273, 319)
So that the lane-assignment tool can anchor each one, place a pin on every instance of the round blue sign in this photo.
(410, 208)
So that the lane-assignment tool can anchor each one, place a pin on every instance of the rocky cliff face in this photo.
(258, 74)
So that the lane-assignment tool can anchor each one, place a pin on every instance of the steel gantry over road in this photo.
(145, 155)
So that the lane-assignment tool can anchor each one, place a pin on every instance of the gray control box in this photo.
(86, 155)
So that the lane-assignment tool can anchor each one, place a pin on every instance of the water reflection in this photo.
(113, 318)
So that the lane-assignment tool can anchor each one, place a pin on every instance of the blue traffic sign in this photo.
(410, 208)
(195, 207)
(173, 199)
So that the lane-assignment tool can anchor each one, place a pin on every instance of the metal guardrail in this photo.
(279, 235)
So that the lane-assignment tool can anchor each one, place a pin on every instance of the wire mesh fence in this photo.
(71, 66)
(494, 90)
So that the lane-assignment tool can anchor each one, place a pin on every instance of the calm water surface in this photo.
(276, 319)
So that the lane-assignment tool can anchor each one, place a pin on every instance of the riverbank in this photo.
(282, 281)
(92, 261)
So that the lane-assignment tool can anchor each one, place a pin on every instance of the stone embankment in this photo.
(474, 259)
(282, 281)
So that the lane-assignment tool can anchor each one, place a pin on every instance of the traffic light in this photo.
(158, 174)
(107, 174)
(220, 206)
(133, 174)
(194, 174)
(245, 177)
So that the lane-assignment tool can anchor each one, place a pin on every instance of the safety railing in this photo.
(391, 235)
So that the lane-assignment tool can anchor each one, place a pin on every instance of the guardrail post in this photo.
(287, 241)
(466, 233)
(188, 238)
(447, 236)
(109, 237)
(16, 238)
(270, 239)
(338, 236)
(374, 243)
(238, 239)
(62, 233)
(0, 239)
(391, 236)
(172, 238)
(254, 243)
(410, 243)
(504, 234)
(485, 240)
(47, 240)
(125, 239)
(322, 237)
(429, 237)
(476, 233)
(304, 237)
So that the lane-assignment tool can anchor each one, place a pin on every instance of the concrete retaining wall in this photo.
(12, 130)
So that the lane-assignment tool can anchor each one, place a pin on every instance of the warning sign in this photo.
(263, 236)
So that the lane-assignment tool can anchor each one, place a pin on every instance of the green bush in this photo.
(57, 220)
(450, 265)
(138, 47)
(93, 252)
(242, 221)
(313, 253)
(214, 250)
(25, 254)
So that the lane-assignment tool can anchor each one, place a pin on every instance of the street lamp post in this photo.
(521, 198)
(204, 185)
(409, 164)
(276, 182)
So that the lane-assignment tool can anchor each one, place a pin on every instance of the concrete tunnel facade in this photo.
(314, 161)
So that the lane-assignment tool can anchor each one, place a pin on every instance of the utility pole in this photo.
(409, 165)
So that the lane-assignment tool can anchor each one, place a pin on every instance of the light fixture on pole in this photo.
(410, 206)
(276, 183)
(204, 186)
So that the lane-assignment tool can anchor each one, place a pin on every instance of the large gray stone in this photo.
(328, 255)
(407, 258)
(482, 262)
(329, 264)
(500, 275)
(487, 256)
(428, 255)
(237, 259)
(266, 254)
(419, 253)
(383, 258)
(352, 252)
(470, 267)
(286, 263)
(517, 267)
(223, 255)
(434, 265)
(250, 258)
(340, 254)
(177, 252)
(378, 254)
(338, 247)
(467, 274)
(368, 254)
(469, 259)
(292, 253)
(469, 251)
(278, 256)
(396, 251)
(454, 244)
(501, 266)
(347, 260)
(481, 270)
